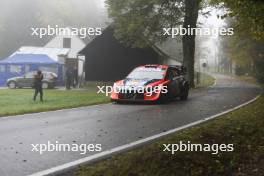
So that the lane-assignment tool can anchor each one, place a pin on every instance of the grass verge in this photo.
(248, 79)
(19, 101)
(206, 80)
(244, 128)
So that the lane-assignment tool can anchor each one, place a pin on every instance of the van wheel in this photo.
(45, 85)
(12, 84)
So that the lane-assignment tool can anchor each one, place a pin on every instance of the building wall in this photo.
(76, 44)
(108, 60)
(110, 65)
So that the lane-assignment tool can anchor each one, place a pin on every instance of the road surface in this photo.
(110, 125)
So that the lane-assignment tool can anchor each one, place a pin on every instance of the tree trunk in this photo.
(188, 41)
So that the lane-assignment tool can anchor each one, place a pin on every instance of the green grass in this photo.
(248, 79)
(19, 101)
(206, 80)
(244, 128)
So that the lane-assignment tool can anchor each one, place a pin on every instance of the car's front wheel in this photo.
(12, 84)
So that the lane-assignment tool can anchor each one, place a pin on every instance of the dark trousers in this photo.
(38, 90)
(69, 83)
(75, 82)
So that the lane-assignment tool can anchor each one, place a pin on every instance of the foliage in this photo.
(246, 53)
(139, 23)
(248, 15)
(259, 73)
(246, 47)
(136, 20)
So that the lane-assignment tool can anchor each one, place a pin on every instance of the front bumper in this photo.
(137, 97)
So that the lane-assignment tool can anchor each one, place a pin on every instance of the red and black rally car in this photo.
(152, 83)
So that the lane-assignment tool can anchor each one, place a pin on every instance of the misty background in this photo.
(17, 17)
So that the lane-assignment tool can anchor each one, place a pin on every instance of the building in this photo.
(62, 51)
(72, 42)
(108, 60)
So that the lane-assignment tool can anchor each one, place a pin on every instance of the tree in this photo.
(246, 53)
(248, 15)
(188, 41)
(139, 23)
(247, 45)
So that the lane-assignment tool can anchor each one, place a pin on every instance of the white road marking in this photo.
(119, 149)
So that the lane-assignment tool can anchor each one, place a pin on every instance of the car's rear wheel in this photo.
(45, 85)
(185, 93)
(12, 84)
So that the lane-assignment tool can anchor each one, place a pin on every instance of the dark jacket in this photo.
(38, 80)
(69, 73)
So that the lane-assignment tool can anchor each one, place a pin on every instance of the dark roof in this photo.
(109, 59)
(109, 33)
(28, 59)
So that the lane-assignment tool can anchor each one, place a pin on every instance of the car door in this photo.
(28, 79)
(177, 80)
(20, 81)
(172, 84)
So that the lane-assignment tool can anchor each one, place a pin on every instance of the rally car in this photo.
(152, 83)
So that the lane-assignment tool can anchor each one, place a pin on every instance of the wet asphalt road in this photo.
(110, 125)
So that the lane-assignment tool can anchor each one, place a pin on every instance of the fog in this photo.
(17, 17)
(207, 47)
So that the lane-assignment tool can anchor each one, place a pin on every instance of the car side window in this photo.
(170, 75)
(175, 73)
(29, 75)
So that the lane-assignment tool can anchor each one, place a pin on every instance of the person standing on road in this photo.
(38, 85)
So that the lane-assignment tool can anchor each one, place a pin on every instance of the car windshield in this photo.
(49, 75)
(147, 73)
